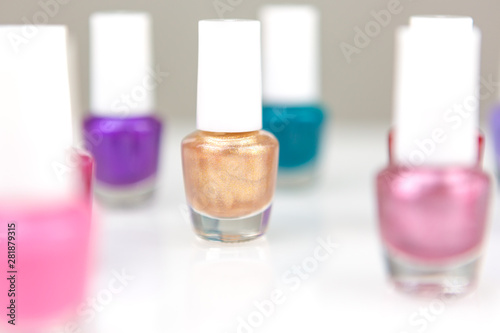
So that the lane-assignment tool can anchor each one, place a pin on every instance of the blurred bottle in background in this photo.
(433, 197)
(495, 131)
(45, 201)
(122, 132)
(293, 110)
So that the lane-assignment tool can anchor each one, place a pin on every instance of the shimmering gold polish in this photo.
(229, 175)
(230, 164)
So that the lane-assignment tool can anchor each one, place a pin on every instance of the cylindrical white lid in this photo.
(121, 64)
(229, 76)
(436, 104)
(290, 54)
(35, 114)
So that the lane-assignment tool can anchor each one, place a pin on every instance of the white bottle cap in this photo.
(121, 64)
(74, 85)
(436, 106)
(290, 54)
(229, 76)
(35, 114)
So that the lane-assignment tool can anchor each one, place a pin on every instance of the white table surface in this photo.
(183, 284)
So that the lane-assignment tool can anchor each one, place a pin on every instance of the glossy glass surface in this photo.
(126, 150)
(299, 131)
(433, 215)
(229, 175)
(51, 261)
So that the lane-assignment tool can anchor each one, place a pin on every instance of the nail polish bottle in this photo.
(495, 131)
(433, 197)
(122, 132)
(45, 211)
(293, 110)
(229, 163)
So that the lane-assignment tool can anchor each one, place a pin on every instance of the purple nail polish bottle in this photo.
(122, 132)
(495, 131)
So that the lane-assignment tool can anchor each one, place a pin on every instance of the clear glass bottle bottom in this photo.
(125, 195)
(433, 280)
(230, 229)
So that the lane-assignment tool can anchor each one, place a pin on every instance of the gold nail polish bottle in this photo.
(230, 164)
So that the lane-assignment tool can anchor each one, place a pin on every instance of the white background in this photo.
(183, 284)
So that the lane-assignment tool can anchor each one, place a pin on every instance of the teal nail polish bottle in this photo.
(292, 110)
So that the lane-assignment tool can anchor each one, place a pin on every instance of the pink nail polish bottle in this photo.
(45, 206)
(433, 197)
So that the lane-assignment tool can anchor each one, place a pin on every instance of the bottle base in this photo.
(299, 176)
(127, 194)
(433, 280)
(230, 230)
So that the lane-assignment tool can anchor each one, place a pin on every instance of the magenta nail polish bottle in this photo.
(433, 197)
(45, 204)
(122, 132)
